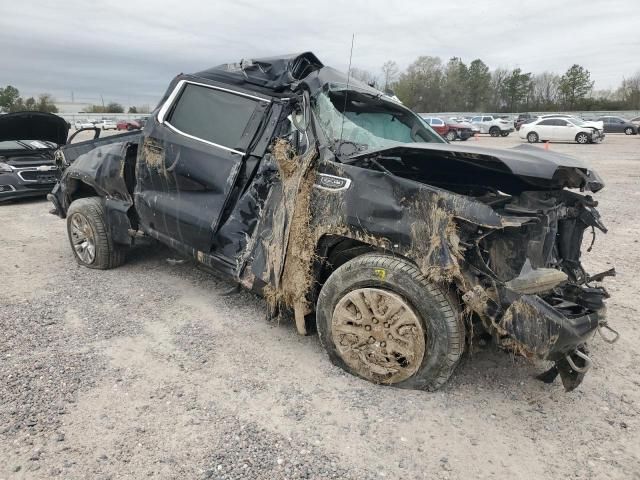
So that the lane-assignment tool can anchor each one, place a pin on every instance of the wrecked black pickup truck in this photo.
(340, 205)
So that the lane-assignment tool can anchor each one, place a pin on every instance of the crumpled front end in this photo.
(528, 287)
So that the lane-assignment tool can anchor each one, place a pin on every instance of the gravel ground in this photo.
(153, 370)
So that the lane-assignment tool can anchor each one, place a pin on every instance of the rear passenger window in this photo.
(487, 119)
(212, 115)
(547, 122)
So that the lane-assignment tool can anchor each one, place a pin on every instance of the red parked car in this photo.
(128, 125)
(448, 129)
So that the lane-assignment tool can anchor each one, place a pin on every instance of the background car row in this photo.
(610, 123)
(109, 124)
(462, 128)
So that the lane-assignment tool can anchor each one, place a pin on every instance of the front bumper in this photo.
(544, 331)
(17, 185)
(535, 328)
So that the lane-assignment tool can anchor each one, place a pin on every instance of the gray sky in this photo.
(129, 50)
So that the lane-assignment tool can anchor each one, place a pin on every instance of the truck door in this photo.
(190, 159)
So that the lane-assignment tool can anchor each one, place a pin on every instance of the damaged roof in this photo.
(281, 75)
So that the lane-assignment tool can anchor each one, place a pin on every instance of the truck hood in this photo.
(519, 168)
(34, 126)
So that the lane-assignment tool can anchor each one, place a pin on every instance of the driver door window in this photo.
(212, 115)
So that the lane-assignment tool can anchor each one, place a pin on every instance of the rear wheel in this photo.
(379, 318)
(582, 138)
(451, 136)
(494, 131)
(89, 237)
(504, 134)
(532, 137)
(628, 131)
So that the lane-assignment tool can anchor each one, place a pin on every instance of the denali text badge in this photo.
(331, 182)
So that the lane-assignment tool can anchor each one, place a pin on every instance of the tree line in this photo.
(431, 85)
(11, 101)
(114, 107)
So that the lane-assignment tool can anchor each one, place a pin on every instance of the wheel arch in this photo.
(333, 251)
(119, 216)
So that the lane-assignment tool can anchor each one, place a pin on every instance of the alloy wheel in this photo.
(83, 238)
(378, 335)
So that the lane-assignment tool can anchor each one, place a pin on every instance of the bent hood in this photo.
(531, 166)
(34, 126)
(593, 124)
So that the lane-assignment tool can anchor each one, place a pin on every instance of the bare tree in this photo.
(390, 72)
(630, 91)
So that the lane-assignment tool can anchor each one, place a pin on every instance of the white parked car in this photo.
(107, 125)
(78, 124)
(559, 129)
(586, 123)
(494, 126)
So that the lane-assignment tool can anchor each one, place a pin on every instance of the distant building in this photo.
(72, 107)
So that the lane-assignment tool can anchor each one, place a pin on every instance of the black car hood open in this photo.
(529, 164)
(34, 126)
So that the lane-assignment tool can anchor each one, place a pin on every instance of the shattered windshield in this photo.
(367, 122)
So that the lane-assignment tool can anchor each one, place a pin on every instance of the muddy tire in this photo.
(91, 243)
(494, 131)
(532, 137)
(412, 337)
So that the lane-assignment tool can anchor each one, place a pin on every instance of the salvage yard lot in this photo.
(154, 370)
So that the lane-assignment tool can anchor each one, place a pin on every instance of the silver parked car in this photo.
(494, 126)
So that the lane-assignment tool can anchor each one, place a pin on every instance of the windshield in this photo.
(26, 145)
(368, 122)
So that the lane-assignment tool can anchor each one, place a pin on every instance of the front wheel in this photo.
(379, 318)
(494, 131)
(532, 137)
(91, 243)
(582, 138)
(628, 131)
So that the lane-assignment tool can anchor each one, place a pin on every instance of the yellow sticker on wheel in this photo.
(381, 273)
